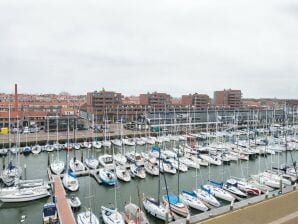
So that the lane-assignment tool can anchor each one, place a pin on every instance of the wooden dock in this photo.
(64, 210)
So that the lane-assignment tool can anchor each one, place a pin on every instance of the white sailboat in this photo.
(111, 216)
(219, 192)
(176, 204)
(207, 197)
(57, 165)
(107, 161)
(87, 217)
(107, 176)
(87, 145)
(151, 167)
(96, 144)
(76, 165)
(36, 149)
(191, 200)
(157, 209)
(120, 159)
(137, 171)
(128, 142)
(91, 162)
(134, 215)
(10, 174)
(16, 194)
(117, 142)
(70, 181)
(122, 173)
(74, 202)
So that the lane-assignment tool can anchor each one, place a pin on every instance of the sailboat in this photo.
(155, 207)
(134, 215)
(88, 217)
(137, 171)
(190, 199)
(167, 167)
(176, 204)
(3, 152)
(111, 215)
(13, 194)
(244, 186)
(91, 162)
(107, 176)
(12, 172)
(218, 192)
(36, 149)
(74, 202)
(106, 141)
(207, 197)
(70, 181)
(25, 191)
(76, 165)
(48, 147)
(151, 167)
(57, 165)
(122, 173)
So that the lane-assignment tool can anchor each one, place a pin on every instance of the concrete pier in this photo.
(277, 209)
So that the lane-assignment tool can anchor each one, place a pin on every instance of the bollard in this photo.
(267, 194)
(25, 171)
(167, 218)
(3, 160)
(231, 205)
(48, 159)
(82, 159)
(280, 185)
(295, 186)
(188, 218)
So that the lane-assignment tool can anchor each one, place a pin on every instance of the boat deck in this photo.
(64, 210)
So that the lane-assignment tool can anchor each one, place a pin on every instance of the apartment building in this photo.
(196, 99)
(228, 98)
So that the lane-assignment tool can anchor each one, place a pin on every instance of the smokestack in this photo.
(16, 101)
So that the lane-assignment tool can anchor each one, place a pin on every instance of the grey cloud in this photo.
(137, 46)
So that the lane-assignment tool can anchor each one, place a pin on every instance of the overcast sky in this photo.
(135, 46)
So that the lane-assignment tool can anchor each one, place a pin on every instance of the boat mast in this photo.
(57, 135)
(9, 129)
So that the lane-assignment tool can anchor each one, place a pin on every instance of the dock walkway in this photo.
(277, 209)
(64, 210)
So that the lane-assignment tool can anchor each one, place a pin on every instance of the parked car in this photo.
(34, 130)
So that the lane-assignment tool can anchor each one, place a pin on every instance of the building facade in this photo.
(197, 100)
(228, 98)
(155, 99)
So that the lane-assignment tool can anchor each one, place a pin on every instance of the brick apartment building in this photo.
(228, 98)
(155, 99)
(196, 99)
(109, 105)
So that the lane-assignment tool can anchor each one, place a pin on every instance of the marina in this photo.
(36, 166)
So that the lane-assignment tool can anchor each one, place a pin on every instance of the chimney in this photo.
(16, 104)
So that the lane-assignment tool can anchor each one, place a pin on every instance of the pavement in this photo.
(282, 209)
